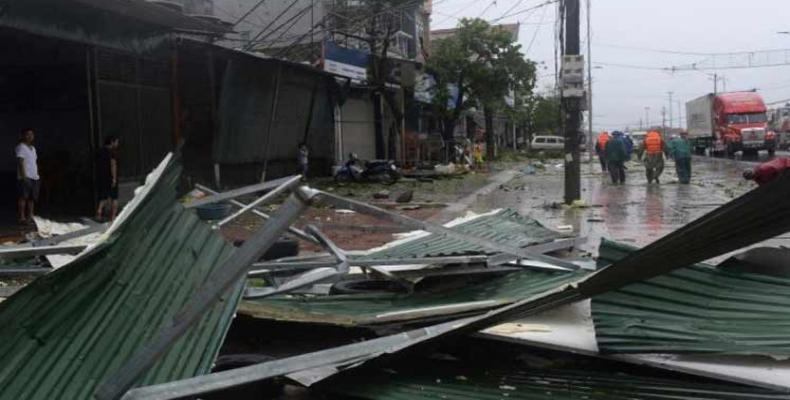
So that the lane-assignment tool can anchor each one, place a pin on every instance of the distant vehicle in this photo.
(548, 143)
(639, 139)
(727, 123)
(779, 122)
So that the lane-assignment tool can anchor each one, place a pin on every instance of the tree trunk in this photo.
(490, 142)
(378, 127)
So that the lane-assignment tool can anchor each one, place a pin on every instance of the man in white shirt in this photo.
(27, 176)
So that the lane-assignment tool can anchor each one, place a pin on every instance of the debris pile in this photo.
(488, 305)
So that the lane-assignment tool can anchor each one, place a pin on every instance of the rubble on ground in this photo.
(488, 305)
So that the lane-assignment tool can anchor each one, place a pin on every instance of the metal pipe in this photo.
(298, 233)
(268, 196)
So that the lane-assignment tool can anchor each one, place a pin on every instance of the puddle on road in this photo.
(635, 213)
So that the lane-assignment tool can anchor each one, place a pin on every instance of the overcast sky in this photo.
(631, 34)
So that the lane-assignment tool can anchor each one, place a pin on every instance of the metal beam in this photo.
(24, 271)
(71, 235)
(288, 184)
(377, 212)
(30, 251)
(232, 194)
(305, 279)
(296, 232)
(268, 266)
(768, 215)
(233, 270)
(329, 245)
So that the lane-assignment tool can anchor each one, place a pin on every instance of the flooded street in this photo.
(635, 213)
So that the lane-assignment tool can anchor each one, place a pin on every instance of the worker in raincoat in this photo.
(600, 149)
(681, 152)
(629, 146)
(654, 149)
(616, 156)
(768, 172)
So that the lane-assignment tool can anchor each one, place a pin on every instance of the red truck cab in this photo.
(741, 123)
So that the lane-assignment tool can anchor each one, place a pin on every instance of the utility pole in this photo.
(590, 136)
(715, 83)
(647, 117)
(664, 119)
(671, 120)
(572, 106)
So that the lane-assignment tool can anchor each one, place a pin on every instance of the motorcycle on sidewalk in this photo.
(383, 171)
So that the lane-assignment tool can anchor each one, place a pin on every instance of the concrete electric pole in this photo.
(572, 100)
(590, 135)
(671, 120)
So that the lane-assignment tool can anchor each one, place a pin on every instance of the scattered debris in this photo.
(405, 197)
(381, 195)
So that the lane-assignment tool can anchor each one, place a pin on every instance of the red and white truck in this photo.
(726, 123)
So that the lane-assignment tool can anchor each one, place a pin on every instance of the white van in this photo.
(548, 143)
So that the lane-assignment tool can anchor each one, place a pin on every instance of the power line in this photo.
(546, 3)
(535, 35)
(249, 46)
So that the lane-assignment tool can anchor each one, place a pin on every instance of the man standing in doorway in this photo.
(654, 149)
(681, 152)
(107, 178)
(303, 159)
(27, 176)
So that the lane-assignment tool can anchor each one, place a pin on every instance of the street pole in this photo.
(647, 117)
(664, 119)
(572, 107)
(590, 136)
(671, 120)
(715, 83)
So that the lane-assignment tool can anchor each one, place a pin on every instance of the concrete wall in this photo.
(358, 131)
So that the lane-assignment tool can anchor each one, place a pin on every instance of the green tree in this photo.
(485, 65)
(544, 115)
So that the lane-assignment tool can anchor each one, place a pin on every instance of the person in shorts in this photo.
(28, 181)
(107, 178)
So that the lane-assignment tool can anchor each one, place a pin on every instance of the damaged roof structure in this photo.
(67, 331)
(142, 313)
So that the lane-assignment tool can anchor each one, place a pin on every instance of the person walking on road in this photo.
(681, 152)
(767, 172)
(654, 149)
(616, 156)
(600, 149)
(107, 178)
(28, 181)
(629, 146)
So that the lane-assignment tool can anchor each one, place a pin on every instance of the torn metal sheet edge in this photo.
(377, 212)
(570, 329)
(690, 244)
(297, 233)
(232, 271)
(232, 194)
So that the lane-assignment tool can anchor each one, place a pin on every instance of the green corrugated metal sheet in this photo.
(352, 310)
(697, 309)
(432, 380)
(67, 331)
(505, 227)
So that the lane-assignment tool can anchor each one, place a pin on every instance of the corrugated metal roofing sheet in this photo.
(697, 309)
(505, 227)
(352, 310)
(65, 332)
(432, 380)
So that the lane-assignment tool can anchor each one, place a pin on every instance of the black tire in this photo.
(366, 286)
(343, 178)
(730, 151)
(283, 247)
(393, 176)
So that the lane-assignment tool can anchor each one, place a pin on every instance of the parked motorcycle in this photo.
(374, 171)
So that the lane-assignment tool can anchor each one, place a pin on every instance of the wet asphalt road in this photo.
(635, 213)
